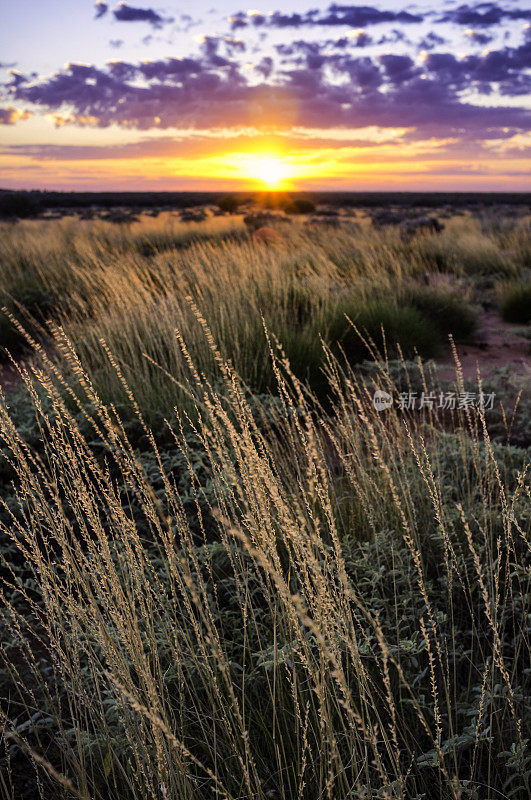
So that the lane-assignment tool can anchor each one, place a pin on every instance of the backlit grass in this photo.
(223, 573)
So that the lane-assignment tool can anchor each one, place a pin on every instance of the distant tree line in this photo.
(23, 204)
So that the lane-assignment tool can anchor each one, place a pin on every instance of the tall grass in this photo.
(308, 606)
(104, 283)
(223, 573)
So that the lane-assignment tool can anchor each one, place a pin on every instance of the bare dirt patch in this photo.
(496, 345)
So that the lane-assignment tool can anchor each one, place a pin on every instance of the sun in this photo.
(267, 169)
(270, 170)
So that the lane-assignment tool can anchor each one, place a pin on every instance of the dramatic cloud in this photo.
(320, 83)
(484, 14)
(11, 115)
(126, 13)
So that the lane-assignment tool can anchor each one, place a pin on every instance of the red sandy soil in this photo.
(495, 345)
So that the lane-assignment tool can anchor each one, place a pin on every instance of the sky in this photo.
(213, 95)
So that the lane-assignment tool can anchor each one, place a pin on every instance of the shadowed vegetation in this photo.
(515, 301)
(223, 573)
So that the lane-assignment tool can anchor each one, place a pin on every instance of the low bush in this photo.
(444, 308)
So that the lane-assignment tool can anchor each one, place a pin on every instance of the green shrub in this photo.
(445, 309)
(404, 325)
(515, 302)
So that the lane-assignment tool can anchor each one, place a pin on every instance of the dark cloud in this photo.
(100, 9)
(212, 45)
(335, 15)
(170, 69)
(505, 67)
(479, 37)
(362, 39)
(16, 78)
(116, 43)
(430, 41)
(188, 22)
(360, 16)
(314, 54)
(393, 36)
(279, 20)
(265, 67)
(238, 20)
(126, 13)
(484, 14)
(398, 69)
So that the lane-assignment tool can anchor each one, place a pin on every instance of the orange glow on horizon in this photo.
(291, 162)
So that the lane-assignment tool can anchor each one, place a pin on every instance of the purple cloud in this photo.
(336, 15)
(317, 84)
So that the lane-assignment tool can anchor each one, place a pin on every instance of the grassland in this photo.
(224, 573)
